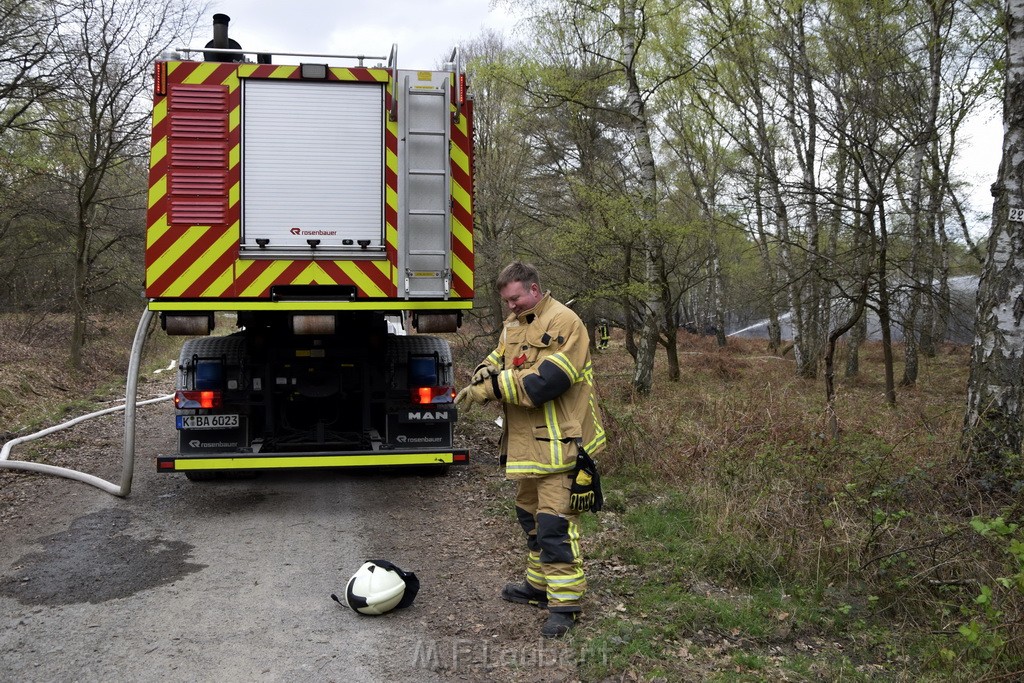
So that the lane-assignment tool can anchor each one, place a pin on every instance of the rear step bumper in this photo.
(288, 461)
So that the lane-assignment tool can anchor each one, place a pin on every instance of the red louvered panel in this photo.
(197, 182)
(197, 175)
(199, 153)
(207, 125)
(208, 97)
(198, 211)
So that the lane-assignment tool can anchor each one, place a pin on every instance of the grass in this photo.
(739, 542)
(38, 388)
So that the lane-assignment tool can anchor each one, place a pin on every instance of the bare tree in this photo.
(501, 162)
(100, 125)
(26, 60)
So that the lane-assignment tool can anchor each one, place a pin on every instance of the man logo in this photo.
(436, 415)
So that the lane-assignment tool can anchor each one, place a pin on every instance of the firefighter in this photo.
(604, 336)
(541, 372)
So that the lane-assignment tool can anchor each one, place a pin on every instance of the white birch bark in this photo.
(992, 423)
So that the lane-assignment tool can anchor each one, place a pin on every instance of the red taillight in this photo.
(462, 87)
(428, 395)
(186, 400)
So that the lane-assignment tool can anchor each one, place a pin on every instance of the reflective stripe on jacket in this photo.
(547, 388)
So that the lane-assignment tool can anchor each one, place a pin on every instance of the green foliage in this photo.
(996, 616)
(733, 525)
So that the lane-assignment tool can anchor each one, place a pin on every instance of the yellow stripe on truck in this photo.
(275, 462)
(268, 305)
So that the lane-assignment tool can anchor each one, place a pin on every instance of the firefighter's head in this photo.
(519, 287)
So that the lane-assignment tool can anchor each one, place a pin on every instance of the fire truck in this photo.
(325, 203)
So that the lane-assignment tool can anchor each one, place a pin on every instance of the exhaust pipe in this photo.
(221, 41)
(220, 31)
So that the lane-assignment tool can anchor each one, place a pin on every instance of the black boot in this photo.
(525, 594)
(558, 624)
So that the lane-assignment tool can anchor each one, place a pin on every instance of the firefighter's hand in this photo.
(484, 373)
(581, 493)
(474, 393)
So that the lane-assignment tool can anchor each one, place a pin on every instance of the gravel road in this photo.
(231, 581)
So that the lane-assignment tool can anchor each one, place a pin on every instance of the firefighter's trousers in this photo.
(552, 531)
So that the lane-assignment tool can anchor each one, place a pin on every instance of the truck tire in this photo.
(401, 347)
(231, 347)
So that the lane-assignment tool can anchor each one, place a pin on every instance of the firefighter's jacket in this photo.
(546, 384)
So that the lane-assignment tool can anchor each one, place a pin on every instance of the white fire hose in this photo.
(128, 463)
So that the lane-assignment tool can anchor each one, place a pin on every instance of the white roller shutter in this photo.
(312, 167)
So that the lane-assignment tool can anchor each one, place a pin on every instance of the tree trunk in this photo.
(830, 353)
(861, 242)
(943, 303)
(672, 355)
(810, 311)
(853, 344)
(670, 325)
(80, 297)
(628, 322)
(993, 429)
(643, 376)
(917, 250)
(718, 286)
(884, 316)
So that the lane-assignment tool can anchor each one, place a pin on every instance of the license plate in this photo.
(207, 421)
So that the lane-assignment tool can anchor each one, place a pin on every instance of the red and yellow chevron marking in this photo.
(371, 278)
(391, 185)
(462, 198)
(194, 260)
(194, 211)
(193, 217)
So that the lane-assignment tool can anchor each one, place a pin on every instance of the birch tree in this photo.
(619, 34)
(993, 426)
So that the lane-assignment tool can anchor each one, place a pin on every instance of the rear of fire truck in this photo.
(327, 208)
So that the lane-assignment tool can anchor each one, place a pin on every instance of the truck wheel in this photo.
(400, 348)
(231, 347)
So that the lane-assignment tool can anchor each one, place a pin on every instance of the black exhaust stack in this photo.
(221, 41)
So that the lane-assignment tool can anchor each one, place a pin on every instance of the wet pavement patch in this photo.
(95, 561)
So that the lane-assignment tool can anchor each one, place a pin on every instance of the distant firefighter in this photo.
(603, 335)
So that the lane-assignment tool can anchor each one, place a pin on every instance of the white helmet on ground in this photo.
(378, 587)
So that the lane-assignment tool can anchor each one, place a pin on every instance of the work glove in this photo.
(484, 373)
(585, 492)
(474, 393)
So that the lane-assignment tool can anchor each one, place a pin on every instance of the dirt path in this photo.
(230, 581)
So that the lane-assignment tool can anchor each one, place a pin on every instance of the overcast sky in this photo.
(424, 31)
